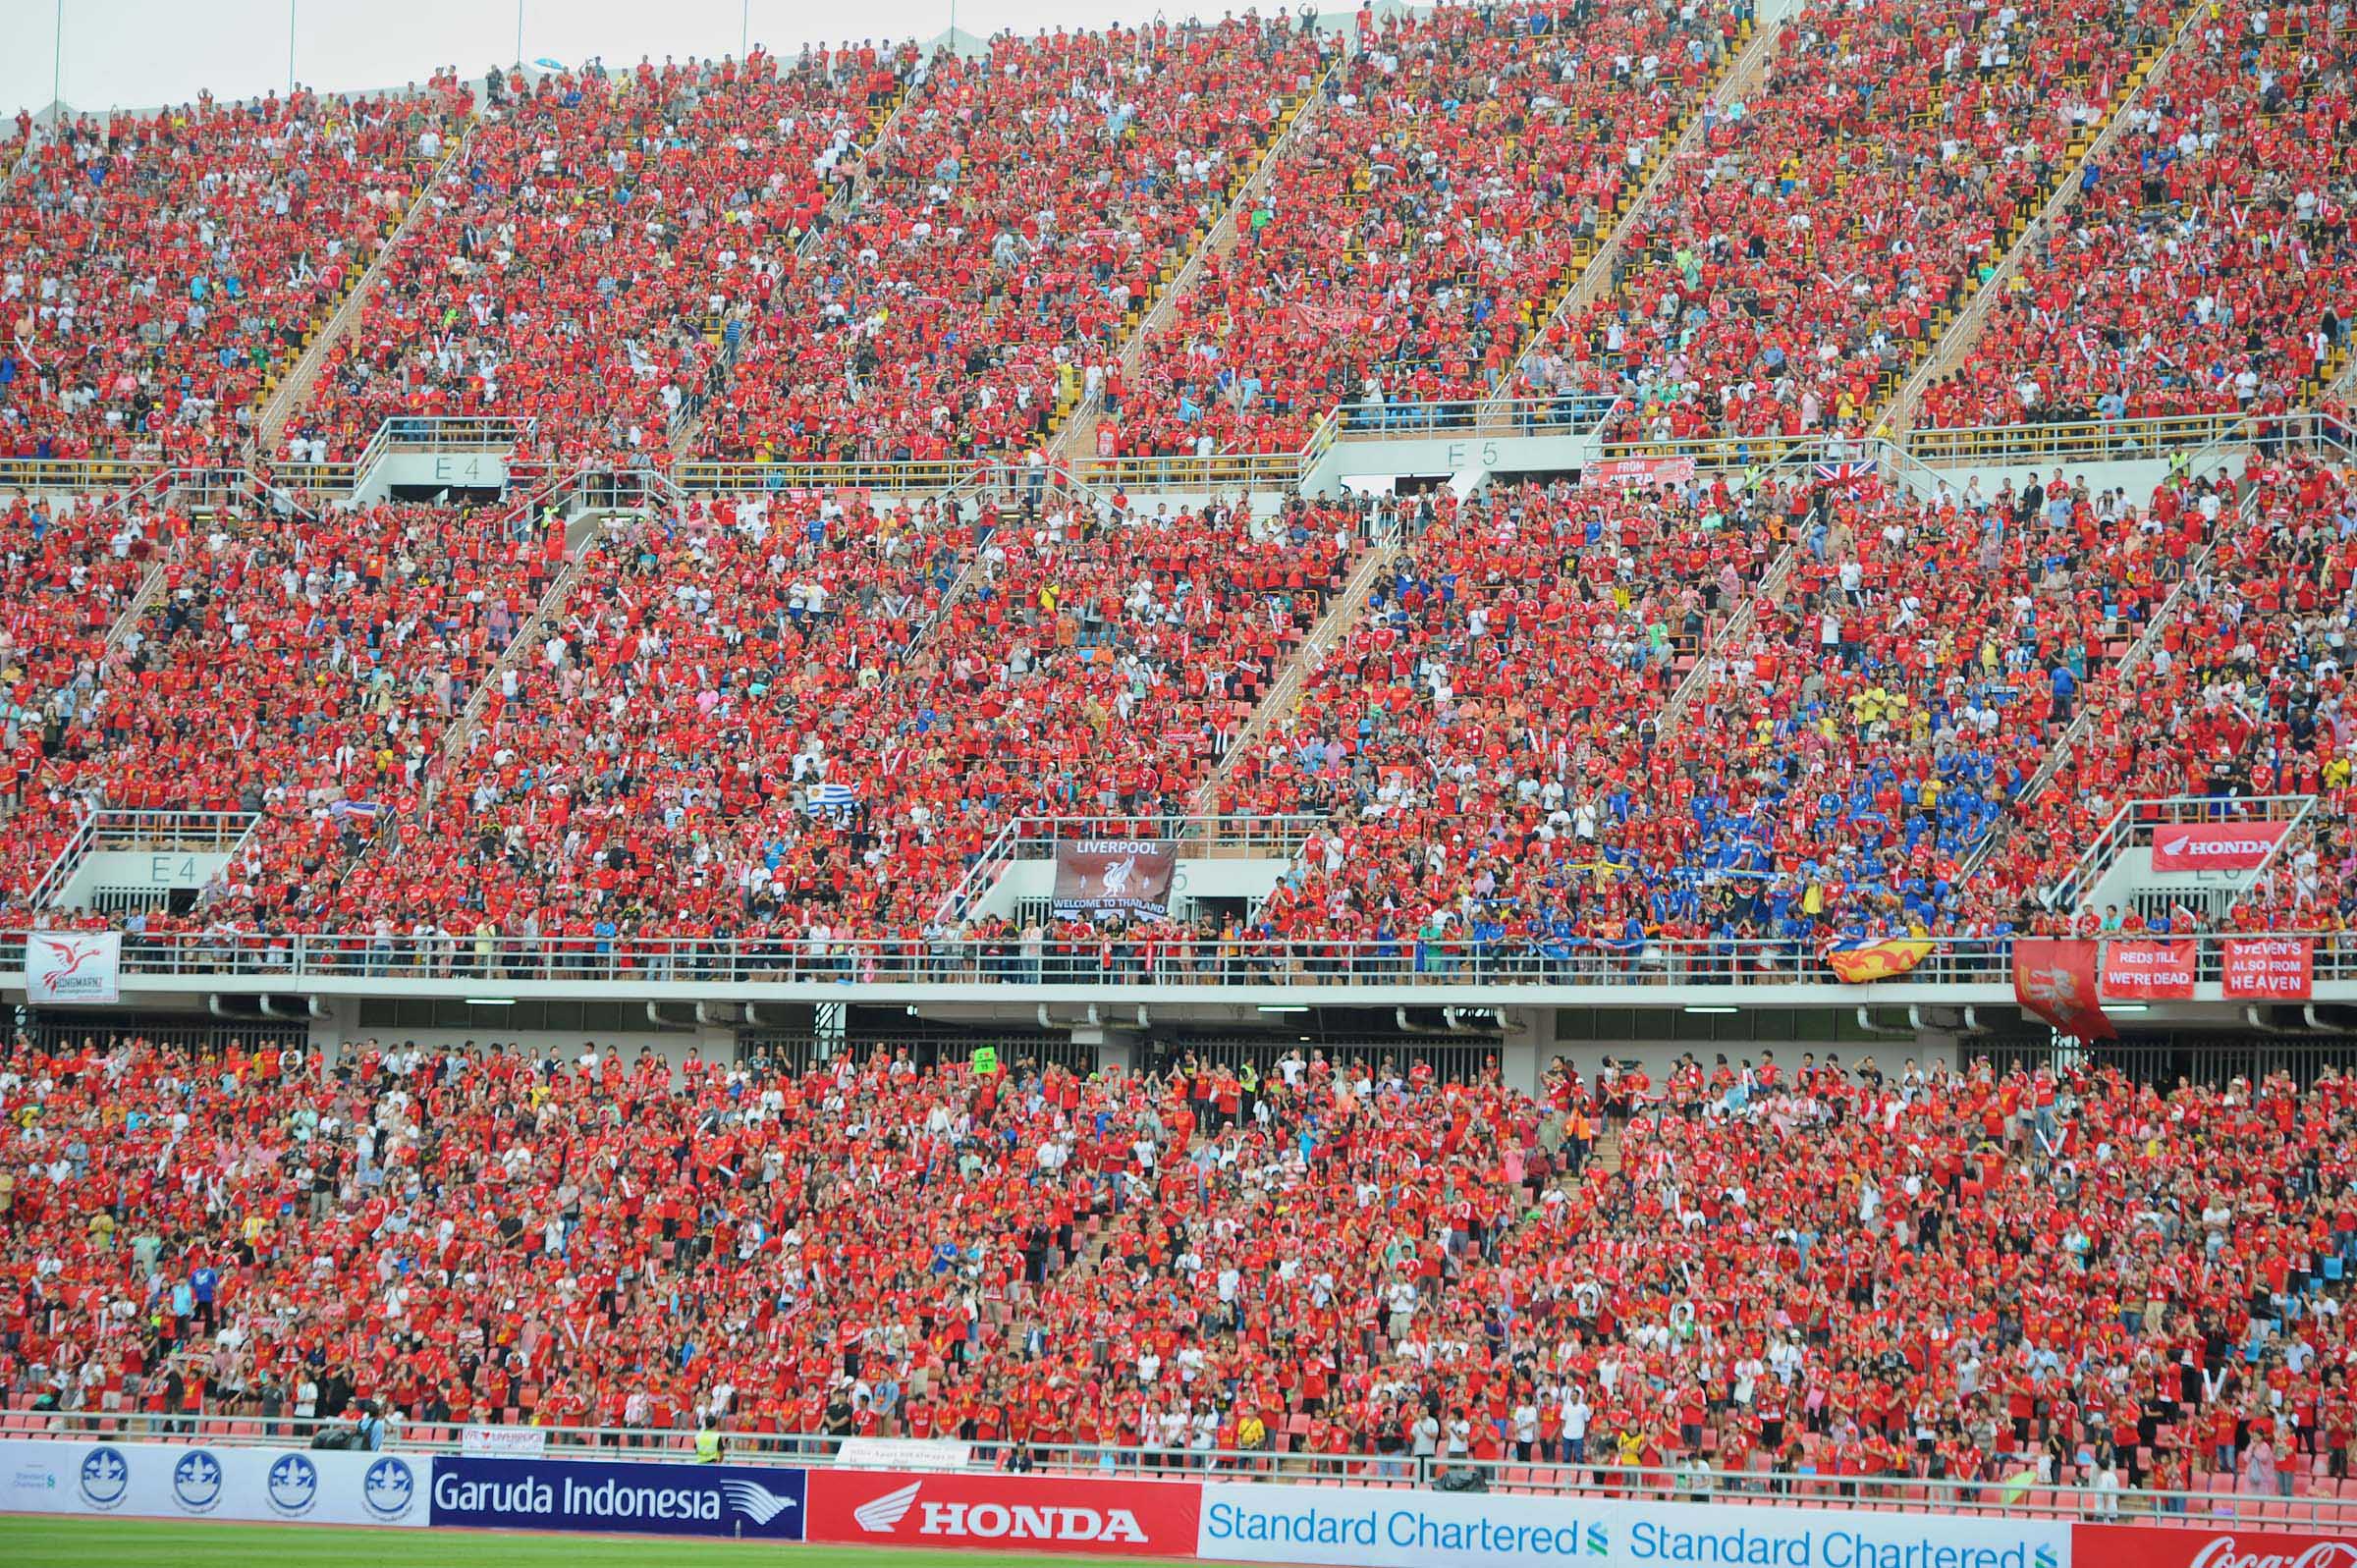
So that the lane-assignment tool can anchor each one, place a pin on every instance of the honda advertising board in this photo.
(191, 1481)
(2216, 845)
(651, 1497)
(1012, 1513)
(2218, 1544)
(1355, 1528)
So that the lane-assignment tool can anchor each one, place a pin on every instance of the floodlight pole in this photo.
(519, 34)
(57, 64)
(291, 4)
(744, 30)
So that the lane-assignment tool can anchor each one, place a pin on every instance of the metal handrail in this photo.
(1074, 954)
(2017, 1495)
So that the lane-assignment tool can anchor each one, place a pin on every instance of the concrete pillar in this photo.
(1527, 1047)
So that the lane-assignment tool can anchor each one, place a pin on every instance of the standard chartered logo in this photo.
(1403, 1528)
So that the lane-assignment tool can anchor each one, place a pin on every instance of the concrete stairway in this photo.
(1075, 433)
(290, 389)
(1747, 71)
(1293, 681)
(1954, 345)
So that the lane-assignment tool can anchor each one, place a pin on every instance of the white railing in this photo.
(2013, 1496)
(1072, 956)
(2135, 821)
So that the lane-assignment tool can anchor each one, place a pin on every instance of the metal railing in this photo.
(1070, 955)
(2020, 1495)
(2135, 821)
(1580, 412)
(2068, 440)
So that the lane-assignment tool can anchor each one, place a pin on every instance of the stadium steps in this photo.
(1953, 343)
(2062, 754)
(1574, 292)
(882, 122)
(1074, 432)
(1292, 679)
(287, 392)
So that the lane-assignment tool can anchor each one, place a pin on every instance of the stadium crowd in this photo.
(1801, 256)
(157, 270)
(576, 259)
(2204, 266)
(1402, 251)
(1975, 1274)
(1019, 218)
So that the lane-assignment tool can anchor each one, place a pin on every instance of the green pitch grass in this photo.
(39, 1542)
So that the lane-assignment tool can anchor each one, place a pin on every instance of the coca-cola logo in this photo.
(2223, 1551)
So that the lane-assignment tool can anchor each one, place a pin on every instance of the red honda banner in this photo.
(2216, 845)
(2055, 978)
(2219, 1546)
(1639, 471)
(2145, 971)
(2281, 968)
(1025, 1513)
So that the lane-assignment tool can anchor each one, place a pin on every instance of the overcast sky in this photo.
(144, 53)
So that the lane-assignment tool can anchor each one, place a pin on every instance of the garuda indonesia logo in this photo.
(388, 1488)
(293, 1484)
(106, 1478)
(197, 1482)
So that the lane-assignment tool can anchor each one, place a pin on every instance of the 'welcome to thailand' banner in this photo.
(1115, 877)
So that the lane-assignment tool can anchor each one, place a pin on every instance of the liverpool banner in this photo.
(2055, 978)
(1097, 878)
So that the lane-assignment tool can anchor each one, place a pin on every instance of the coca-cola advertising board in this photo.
(2213, 1544)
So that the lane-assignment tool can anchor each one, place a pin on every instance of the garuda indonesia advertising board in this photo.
(183, 1481)
(643, 1499)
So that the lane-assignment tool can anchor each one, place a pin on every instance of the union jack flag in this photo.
(1848, 475)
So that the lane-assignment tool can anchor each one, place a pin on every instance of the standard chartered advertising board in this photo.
(1330, 1525)
(1270, 1523)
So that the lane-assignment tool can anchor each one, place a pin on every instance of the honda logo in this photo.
(991, 1521)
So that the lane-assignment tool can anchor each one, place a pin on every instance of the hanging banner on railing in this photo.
(2148, 971)
(83, 969)
(1100, 877)
(1006, 1512)
(2268, 968)
(1858, 963)
(191, 1481)
(2055, 978)
(1377, 1528)
(2216, 845)
(1639, 471)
